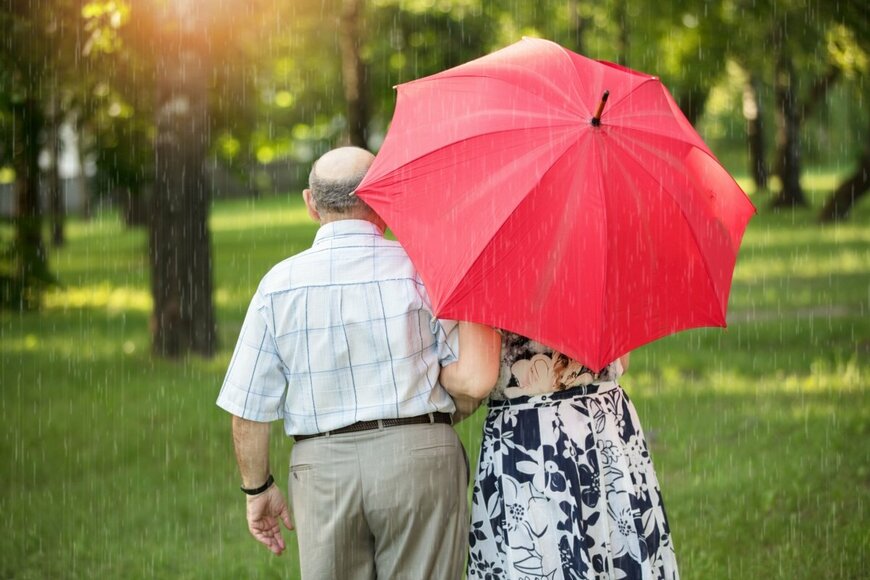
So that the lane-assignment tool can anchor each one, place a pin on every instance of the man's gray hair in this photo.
(332, 194)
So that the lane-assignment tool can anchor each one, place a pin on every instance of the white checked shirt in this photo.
(340, 333)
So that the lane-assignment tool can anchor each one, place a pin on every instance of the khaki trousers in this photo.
(387, 503)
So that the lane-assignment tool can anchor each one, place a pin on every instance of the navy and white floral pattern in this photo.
(565, 489)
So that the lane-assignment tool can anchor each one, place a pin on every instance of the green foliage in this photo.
(103, 21)
(42, 82)
(401, 39)
(276, 86)
(120, 465)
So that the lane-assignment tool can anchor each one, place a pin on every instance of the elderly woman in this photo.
(565, 487)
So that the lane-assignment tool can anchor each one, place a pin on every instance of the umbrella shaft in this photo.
(596, 120)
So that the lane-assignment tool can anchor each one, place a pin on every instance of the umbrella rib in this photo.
(671, 138)
(564, 51)
(702, 150)
(702, 255)
(705, 152)
(616, 103)
(606, 260)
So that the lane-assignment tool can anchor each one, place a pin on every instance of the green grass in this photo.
(118, 465)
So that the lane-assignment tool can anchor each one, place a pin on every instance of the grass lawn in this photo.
(118, 465)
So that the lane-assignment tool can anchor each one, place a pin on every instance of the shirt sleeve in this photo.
(255, 385)
(446, 332)
(446, 340)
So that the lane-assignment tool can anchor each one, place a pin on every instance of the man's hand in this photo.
(264, 513)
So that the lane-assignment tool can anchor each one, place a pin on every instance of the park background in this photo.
(152, 155)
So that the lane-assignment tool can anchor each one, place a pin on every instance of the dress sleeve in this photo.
(255, 385)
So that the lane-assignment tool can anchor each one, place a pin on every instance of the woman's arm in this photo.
(476, 372)
(624, 360)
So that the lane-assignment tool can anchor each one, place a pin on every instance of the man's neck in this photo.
(326, 218)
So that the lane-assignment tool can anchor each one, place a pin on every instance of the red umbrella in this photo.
(528, 204)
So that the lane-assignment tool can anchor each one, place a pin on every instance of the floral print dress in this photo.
(565, 487)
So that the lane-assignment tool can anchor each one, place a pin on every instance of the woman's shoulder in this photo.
(515, 346)
(529, 367)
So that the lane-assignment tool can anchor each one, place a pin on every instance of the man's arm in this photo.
(251, 442)
(476, 372)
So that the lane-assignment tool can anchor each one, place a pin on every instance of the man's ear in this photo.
(310, 205)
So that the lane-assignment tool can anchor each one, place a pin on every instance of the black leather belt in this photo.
(445, 418)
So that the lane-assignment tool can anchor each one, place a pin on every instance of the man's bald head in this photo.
(335, 176)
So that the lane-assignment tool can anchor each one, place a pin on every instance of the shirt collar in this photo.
(342, 228)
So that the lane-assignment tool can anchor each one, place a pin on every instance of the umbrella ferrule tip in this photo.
(596, 118)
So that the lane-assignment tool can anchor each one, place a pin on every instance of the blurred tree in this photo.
(187, 85)
(806, 68)
(353, 71)
(855, 186)
(404, 40)
(754, 113)
(118, 115)
(38, 60)
(788, 50)
(52, 52)
(409, 40)
(849, 48)
(788, 156)
(688, 50)
(183, 319)
(55, 192)
(748, 27)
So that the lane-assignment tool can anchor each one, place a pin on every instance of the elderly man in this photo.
(340, 342)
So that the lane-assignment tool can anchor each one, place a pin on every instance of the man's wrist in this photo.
(258, 490)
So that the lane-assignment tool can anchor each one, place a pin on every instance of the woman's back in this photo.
(530, 368)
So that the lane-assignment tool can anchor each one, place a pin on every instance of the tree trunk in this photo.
(693, 102)
(353, 72)
(135, 205)
(788, 137)
(55, 193)
(82, 178)
(180, 246)
(31, 272)
(844, 197)
(754, 114)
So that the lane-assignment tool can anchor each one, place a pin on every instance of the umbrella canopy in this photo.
(525, 207)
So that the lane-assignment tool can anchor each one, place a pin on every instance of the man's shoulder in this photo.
(393, 247)
(280, 277)
(317, 266)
